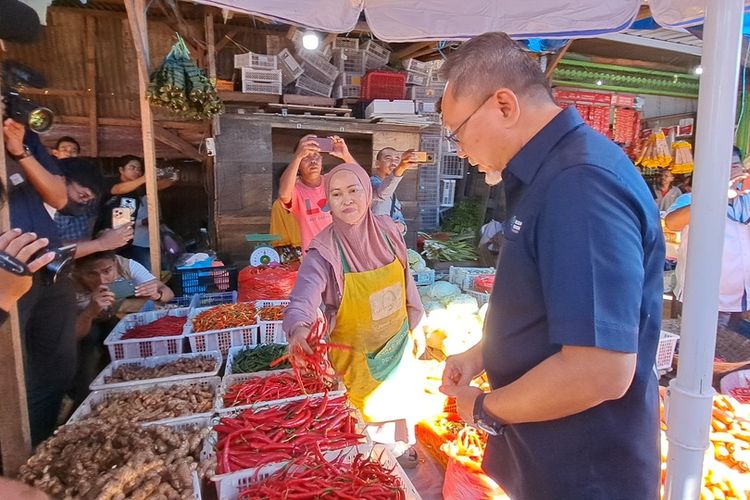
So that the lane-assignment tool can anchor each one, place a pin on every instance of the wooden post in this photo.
(211, 58)
(137, 18)
(91, 84)
(15, 436)
(555, 60)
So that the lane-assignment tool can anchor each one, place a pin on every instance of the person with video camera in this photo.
(49, 345)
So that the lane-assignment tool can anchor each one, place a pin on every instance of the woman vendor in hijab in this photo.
(357, 269)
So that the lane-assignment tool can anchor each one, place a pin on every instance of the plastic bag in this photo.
(484, 283)
(267, 282)
(461, 483)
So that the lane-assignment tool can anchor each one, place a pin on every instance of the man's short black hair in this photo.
(91, 258)
(124, 160)
(67, 138)
(83, 173)
(379, 156)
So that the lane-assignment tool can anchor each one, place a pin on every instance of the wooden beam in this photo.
(411, 48)
(55, 92)
(175, 141)
(128, 122)
(91, 84)
(211, 59)
(552, 64)
(15, 436)
(137, 18)
(635, 63)
(224, 41)
(423, 52)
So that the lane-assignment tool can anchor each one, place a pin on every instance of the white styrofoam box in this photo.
(290, 68)
(416, 79)
(100, 383)
(448, 193)
(97, 397)
(229, 486)
(238, 378)
(255, 61)
(144, 348)
(384, 106)
(345, 43)
(318, 67)
(307, 85)
(219, 340)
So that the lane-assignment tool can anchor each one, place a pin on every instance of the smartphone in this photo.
(325, 144)
(423, 157)
(121, 216)
(122, 289)
(128, 203)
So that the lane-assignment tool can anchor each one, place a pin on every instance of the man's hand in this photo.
(21, 246)
(462, 368)
(407, 162)
(465, 396)
(13, 133)
(150, 289)
(341, 150)
(298, 339)
(101, 300)
(115, 238)
(734, 192)
(307, 146)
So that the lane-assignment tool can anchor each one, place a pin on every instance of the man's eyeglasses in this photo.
(452, 137)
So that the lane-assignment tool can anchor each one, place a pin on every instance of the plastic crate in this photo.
(349, 78)
(383, 85)
(346, 91)
(219, 340)
(665, 350)
(175, 303)
(482, 297)
(464, 276)
(416, 79)
(98, 397)
(99, 383)
(270, 332)
(306, 85)
(255, 61)
(345, 43)
(377, 55)
(144, 348)
(418, 67)
(188, 282)
(419, 93)
(213, 299)
(261, 75)
(448, 193)
(233, 352)
(318, 67)
(238, 378)
(250, 87)
(451, 166)
(349, 60)
(426, 277)
(229, 486)
(290, 68)
(429, 217)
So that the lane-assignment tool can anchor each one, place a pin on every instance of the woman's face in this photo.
(347, 197)
(131, 171)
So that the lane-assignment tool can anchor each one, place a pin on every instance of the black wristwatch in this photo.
(26, 153)
(483, 421)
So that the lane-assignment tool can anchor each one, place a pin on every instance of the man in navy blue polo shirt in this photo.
(571, 332)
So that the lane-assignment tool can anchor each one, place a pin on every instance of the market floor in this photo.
(427, 476)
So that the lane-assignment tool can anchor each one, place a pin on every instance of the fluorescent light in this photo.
(310, 40)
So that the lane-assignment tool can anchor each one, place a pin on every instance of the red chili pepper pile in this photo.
(225, 316)
(313, 477)
(167, 326)
(741, 394)
(258, 437)
(272, 387)
(271, 313)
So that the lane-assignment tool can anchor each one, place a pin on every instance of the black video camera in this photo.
(16, 76)
(60, 265)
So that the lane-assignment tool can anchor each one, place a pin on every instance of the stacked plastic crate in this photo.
(376, 56)
(428, 196)
(291, 70)
(259, 73)
(349, 59)
(426, 96)
(319, 74)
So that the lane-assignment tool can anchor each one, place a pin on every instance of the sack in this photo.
(462, 482)
(267, 282)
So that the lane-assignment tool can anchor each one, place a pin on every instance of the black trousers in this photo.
(47, 317)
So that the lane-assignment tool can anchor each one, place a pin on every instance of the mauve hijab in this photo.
(363, 243)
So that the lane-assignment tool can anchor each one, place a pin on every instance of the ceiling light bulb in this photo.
(698, 70)
(599, 82)
(310, 40)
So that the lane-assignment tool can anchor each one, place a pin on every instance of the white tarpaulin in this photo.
(414, 20)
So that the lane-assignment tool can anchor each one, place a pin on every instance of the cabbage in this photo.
(416, 262)
(463, 303)
(442, 290)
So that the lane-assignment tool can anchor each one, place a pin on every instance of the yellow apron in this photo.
(372, 319)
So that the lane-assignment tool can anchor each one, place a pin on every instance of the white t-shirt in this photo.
(139, 273)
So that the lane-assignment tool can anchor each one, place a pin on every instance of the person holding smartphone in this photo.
(301, 187)
(390, 167)
(735, 263)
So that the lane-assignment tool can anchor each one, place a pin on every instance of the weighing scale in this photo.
(263, 254)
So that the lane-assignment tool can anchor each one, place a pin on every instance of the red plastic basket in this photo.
(383, 85)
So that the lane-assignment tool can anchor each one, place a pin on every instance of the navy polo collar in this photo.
(526, 163)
